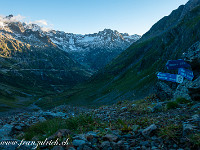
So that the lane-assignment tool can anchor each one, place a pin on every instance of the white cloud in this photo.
(17, 18)
(45, 26)
(41, 22)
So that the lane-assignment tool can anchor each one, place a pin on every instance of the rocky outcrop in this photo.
(191, 89)
(163, 91)
(192, 56)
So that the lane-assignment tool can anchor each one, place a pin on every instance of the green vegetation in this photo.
(195, 139)
(182, 100)
(172, 105)
(79, 124)
(172, 131)
(124, 127)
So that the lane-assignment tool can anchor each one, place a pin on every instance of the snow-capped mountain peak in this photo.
(104, 45)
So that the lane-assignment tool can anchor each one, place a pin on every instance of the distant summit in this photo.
(93, 50)
(10, 16)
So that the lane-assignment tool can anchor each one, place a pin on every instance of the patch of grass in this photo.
(172, 131)
(44, 129)
(124, 127)
(195, 139)
(143, 106)
(182, 100)
(143, 121)
(79, 124)
(172, 105)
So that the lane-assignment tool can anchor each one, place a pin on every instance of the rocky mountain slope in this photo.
(144, 124)
(132, 74)
(93, 50)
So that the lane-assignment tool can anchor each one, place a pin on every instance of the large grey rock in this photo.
(78, 142)
(188, 129)
(110, 137)
(158, 107)
(189, 90)
(194, 90)
(163, 91)
(5, 132)
(58, 148)
(149, 130)
(106, 145)
(54, 115)
(59, 134)
(192, 56)
(41, 119)
(182, 91)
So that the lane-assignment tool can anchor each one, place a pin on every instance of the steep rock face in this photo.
(93, 50)
(192, 56)
(168, 22)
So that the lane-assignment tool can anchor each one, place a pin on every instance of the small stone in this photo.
(71, 148)
(144, 143)
(196, 106)
(133, 105)
(128, 136)
(196, 117)
(187, 129)
(157, 107)
(124, 108)
(59, 134)
(80, 137)
(86, 148)
(105, 145)
(78, 142)
(175, 146)
(41, 119)
(110, 137)
(135, 127)
(133, 143)
(58, 148)
(18, 128)
(5, 131)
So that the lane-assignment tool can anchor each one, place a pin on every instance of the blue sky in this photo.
(91, 16)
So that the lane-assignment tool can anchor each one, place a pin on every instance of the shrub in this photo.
(172, 131)
(172, 105)
(195, 139)
(182, 100)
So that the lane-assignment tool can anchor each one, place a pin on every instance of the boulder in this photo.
(105, 145)
(78, 143)
(188, 129)
(149, 130)
(41, 119)
(182, 91)
(58, 148)
(163, 91)
(194, 89)
(6, 131)
(110, 137)
(158, 107)
(192, 56)
(59, 134)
